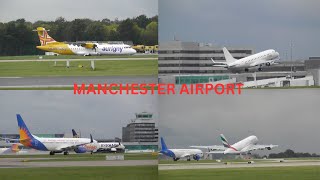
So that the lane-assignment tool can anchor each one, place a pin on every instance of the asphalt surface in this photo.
(95, 59)
(23, 163)
(286, 163)
(67, 81)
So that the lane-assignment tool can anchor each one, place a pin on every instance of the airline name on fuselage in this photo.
(112, 49)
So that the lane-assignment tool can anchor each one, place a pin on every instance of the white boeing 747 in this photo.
(54, 145)
(264, 58)
(176, 154)
(244, 146)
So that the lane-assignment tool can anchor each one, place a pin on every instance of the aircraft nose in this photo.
(133, 51)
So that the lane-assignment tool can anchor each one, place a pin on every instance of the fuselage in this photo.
(178, 153)
(96, 49)
(238, 147)
(263, 58)
(55, 144)
(109, 145)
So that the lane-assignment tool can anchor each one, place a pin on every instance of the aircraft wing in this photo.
(211, 148)
(219, 64)
(215, 152)
(258, 147)
(186, 155)
(89, 45)
(70, 148)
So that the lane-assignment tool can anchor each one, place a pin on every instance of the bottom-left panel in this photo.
(64, 136)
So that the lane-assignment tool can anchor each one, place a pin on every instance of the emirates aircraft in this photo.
(81, 48)
(245, 146)
(264, 58)
(54, 145)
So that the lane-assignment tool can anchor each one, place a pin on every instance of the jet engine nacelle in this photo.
(196, 157)
(80, 150)
(113, 149)
(269, 148)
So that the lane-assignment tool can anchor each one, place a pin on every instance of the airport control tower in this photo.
(141, 129)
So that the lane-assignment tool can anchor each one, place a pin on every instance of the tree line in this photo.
(17, 37)
(291, 154)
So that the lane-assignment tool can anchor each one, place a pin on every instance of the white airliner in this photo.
(244, 146)
(264, 58)
(81, 48)
(101, 146)
(54, 145)
(176, 154)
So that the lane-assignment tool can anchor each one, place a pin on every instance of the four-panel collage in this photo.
(159, 89)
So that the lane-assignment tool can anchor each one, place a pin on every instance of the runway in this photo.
(23, 163)
(287, 163)
(68, 81)
(94, 59)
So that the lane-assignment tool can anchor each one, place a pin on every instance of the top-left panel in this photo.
(58, 43)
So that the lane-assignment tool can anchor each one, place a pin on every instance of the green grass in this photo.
(82, 157)
(79, 173)
(103, 68)
(74, 57)
(274, 173)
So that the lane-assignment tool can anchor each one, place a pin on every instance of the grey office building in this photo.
(141, 129)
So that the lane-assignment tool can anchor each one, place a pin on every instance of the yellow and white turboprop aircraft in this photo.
(81, 48)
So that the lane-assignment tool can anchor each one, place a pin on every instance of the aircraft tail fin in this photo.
(44, 36)
(163, 144)
(15, 148)
(74, 134)
(229, 58)
(224, 141)
(26, 137)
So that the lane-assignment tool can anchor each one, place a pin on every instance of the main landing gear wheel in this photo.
(260, 69)
(66, 153)
(246, 70)
(188, 159)
(51, 153)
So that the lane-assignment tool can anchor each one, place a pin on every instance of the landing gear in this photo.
(66, 153)
(51, 153)
(259, 69)
(246, 70)
(189, 159)
(175, 159)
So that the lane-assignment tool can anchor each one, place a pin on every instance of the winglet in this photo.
(213, 61)
(163, 144)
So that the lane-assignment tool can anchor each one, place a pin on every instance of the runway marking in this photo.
(239, 165)
(10, 77)
(19, 164)
(58, 60)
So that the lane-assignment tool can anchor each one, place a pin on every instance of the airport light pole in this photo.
(291, 59)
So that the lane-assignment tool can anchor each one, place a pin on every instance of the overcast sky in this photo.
(60, 111)
(289, 118)
(246, 23)
(33, 10)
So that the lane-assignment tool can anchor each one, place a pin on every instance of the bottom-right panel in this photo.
(260, 134)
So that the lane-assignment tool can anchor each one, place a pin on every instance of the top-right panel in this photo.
(257, 43)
